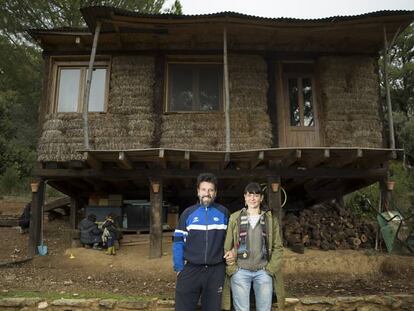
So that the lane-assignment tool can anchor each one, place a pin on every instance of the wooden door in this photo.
(298, 118)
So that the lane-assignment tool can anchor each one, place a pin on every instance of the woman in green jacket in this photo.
(253, 236)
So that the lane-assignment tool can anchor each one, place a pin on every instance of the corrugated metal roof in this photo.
(118, 11)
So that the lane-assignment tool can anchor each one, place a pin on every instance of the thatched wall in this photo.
(349, 111)
(128, 123)
(250, 123)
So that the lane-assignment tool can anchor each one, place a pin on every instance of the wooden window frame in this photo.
(194, 60)
(299, 77)
(59, 63)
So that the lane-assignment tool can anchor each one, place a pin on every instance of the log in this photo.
(363, 238)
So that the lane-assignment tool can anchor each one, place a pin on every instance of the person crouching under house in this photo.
(253, 235)
(90, 234)
(110, 234)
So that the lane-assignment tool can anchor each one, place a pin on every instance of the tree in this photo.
(401, 79)
(21, 68)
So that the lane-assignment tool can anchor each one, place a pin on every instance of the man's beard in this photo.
(205, 203)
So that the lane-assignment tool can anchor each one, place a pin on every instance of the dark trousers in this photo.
(198, 280)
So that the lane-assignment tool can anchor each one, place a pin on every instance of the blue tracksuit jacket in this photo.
(199, 237)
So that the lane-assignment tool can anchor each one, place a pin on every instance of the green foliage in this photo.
(361, 201)
(401, 197)
(10, 179)
(404, 188)
(401, 80)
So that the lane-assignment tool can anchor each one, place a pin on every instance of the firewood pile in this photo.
(327, 226)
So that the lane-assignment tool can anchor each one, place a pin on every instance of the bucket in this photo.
(42, 250)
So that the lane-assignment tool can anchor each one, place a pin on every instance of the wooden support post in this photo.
(74, 207)
(36, 214)
(274, 198)
(156, 218)
(385, 196)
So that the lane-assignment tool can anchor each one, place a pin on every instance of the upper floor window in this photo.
(194, 87)
(301, 101)
(70, 85)
(300, 91)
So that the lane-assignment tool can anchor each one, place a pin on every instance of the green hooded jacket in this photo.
(275, 251)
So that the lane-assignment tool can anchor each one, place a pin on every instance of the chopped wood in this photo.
(327, 226)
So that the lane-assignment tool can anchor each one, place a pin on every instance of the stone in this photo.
(18, 302)
(82, 303)
(291, 301)
(107, 303)
(42, 305)
(133, 305)
(318, 300)
(349, 299)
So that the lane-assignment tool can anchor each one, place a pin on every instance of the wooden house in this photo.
(281, 101)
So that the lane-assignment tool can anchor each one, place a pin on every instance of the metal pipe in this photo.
(226, 91)
(88, 86)
(387, 92)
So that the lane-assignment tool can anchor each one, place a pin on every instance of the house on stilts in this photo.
(137, 105)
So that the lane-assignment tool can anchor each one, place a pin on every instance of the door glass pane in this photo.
(181, 87)
(308, 119)
(68, 90)
(294, 102)
(97, 93)
(209, 87)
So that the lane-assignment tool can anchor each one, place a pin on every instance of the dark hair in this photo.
(92, 217)
(253, 187)
(207, 177)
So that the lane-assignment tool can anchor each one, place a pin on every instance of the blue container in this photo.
(102, 211)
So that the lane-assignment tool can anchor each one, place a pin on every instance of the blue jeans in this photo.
(241, 283)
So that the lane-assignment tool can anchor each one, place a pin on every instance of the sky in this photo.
(294, 8)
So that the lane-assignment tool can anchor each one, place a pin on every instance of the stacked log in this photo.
(327, 226)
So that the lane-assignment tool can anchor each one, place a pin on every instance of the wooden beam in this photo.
(155, 218)
(187, 159)
(36, 217)
(76, 164)
(318, 172)
(255, 162)
(74, 207)
(319, 159)
(123, 161)
(349, 158)
(161, 158)
(293, 157)
(274, 199)
(58, 203)
(92, 161)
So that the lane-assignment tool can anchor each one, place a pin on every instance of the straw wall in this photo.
(350, 112)
(250, 123)
(128, 123)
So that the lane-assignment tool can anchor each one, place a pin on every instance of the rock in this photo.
(81, 303)
(42, 305)
(107, 303)
(68, 282)
(134, 305)
(291, 301)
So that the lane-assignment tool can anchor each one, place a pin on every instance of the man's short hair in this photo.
(207, 177)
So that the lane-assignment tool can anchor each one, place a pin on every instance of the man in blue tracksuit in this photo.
(198, 249)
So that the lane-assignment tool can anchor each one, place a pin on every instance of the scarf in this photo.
(243, 248)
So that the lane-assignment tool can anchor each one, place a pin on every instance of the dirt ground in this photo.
(131, 272)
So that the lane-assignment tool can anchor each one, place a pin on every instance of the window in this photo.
(194, 87)
(70, 85)
(301, 108)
